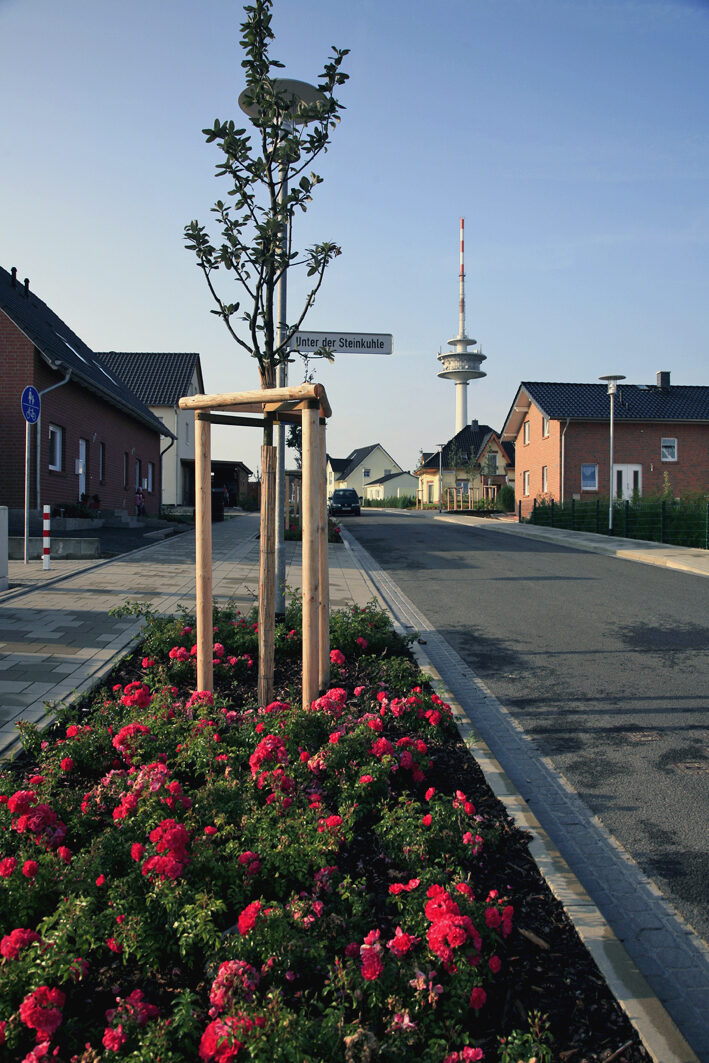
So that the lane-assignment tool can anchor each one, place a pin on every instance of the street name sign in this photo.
(342, 342)
(30, 403)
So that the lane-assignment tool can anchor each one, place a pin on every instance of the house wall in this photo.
(181, 424)
(81, 414)
(401, 485)
(542, 450)
(589, 442)
(378, 462)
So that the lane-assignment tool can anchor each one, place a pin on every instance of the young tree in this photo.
(270, 181)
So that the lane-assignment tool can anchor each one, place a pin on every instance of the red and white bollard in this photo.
(45, 537)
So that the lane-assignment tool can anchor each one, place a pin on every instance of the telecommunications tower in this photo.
(461, 364)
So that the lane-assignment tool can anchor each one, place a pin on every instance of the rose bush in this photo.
(186, 876)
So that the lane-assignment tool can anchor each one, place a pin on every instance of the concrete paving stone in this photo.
(8, 686)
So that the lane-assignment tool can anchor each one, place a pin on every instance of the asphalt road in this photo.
(604, 663)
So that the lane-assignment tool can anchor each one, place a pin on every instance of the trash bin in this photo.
(217, 504)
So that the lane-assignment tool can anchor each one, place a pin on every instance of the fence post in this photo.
(519, 512)
(662, 521)
(552, 512)
(598, 511)
(706, 528)
(627, 518)
(573, 514)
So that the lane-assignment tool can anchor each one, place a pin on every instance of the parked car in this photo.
(344, 500)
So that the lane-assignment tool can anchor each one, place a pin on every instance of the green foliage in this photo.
(393, 502)
(682, 522)
(506, 498)
(535, 1045)
(270, 181)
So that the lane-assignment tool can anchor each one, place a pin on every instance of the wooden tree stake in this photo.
(324, 606)
(203, 553)
(267, 576)
(311, 573)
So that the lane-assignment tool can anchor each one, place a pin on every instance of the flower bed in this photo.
(194, 877)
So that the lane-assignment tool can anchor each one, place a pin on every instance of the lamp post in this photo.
(612, 380)
(440, 476)
(298, 93)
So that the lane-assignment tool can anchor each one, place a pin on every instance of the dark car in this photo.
(344, 500)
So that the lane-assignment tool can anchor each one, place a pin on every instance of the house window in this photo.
(545, 479)
(545, 426)
(137, 473)
(102, 463)
(387, 472)
(491, 463)
(525, 430)
(366, 473)
(430, 492)
(125, 469)
(151, 476)
(56, 447)
(525, 482)
(668, 450)
(589, 477)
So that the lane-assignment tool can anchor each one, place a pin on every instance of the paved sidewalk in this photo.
(58, 640)
(685, 559)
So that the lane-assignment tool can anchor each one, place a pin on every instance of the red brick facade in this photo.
(80, 414)
(588, 442)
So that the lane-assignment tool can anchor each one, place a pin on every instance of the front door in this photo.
(627, 481)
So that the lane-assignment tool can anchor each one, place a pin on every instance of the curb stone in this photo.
(656, 1029)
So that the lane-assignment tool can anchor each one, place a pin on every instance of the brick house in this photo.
(475, 462)
(561, 434)
(94, 438)
(160, 379)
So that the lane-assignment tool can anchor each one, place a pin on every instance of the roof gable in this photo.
(345, 467)
(465, 446)
(157, 378)
(63, 350)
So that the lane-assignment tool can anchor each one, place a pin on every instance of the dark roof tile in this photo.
(62, 349)
(157, 378)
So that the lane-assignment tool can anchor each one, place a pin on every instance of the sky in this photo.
(571, 135)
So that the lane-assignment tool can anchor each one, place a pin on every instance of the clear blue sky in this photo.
(572, 135)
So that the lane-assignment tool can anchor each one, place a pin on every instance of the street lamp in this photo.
(440, 476)
(298, 94)
(612, 380)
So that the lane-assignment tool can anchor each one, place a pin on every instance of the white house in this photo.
(360, 468)
(160, 380)
(393, 485)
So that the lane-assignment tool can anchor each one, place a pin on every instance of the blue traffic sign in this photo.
(30, 403)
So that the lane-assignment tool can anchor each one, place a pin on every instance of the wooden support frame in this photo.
(308, 405)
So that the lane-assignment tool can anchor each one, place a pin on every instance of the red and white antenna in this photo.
(461, 364)
(461, 310)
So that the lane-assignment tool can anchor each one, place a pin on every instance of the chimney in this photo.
(27, 287)
(663, 380)
(13, 274)
(474, 424)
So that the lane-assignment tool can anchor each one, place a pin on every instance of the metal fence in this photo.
(677, 522)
